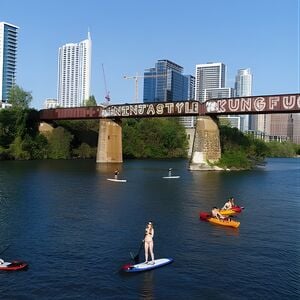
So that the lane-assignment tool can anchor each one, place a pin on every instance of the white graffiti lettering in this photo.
(150, 110)
(160, 109)
(221, 105)
(259, 104)
(141, 109)
(245, 104)
(179, 107)
(233, 104)
(170, 107)
(289, 102)
(273, 102)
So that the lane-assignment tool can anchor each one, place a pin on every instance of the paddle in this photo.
(4, 249)
(137, 257)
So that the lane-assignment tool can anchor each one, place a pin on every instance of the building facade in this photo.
(209, 76)
(74, 73)
(8, 58)
(242, 88)
(165, 82)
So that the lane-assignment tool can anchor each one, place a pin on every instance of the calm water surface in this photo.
(76, 229)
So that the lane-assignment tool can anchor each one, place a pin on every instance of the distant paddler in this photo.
(116, 173)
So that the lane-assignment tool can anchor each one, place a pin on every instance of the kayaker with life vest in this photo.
(231, 199)
(227, 205)
(148, 243)
(216, 214)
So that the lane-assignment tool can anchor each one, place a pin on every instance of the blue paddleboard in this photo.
(130, 268)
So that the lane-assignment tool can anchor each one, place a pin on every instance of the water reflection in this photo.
(109, 167)
(147, 288)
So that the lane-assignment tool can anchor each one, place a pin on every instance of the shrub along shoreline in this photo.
(158, 138)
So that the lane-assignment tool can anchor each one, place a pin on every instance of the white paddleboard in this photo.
(147, 267)
(117, 180)
(171, 177)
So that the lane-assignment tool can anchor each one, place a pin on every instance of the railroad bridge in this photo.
(206, 146)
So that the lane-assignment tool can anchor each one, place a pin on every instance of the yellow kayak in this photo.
(231, 211)
(229, 223)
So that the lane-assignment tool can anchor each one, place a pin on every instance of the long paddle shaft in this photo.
(137, 257)
(4, 249)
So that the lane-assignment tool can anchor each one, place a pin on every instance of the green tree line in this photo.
(20, 138)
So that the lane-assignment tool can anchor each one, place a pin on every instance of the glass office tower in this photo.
(8, 58)
(165, 82)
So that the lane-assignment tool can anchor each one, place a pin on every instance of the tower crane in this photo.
(137, 77)
(107, 97)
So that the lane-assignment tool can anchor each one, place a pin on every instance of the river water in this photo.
(75, 229)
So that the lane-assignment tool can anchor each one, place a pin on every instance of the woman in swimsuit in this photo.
(148, 242)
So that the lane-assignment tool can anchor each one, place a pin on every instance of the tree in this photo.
(59, 143)
(91, 101)
(19, 98)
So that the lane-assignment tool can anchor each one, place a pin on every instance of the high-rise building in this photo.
(165, 82)
(189, 94)
(243, 87)
(209, 76)
(74, 73)
(8, 58)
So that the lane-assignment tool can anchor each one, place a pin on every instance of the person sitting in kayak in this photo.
(227, 205)
(116, 173)
(231, 199)
(148, 243)
(216, 214)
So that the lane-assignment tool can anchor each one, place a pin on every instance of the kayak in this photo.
(171, 177)
(227, 222)
(231, 211)
(133, 268)
(116, 180)
(13, 266)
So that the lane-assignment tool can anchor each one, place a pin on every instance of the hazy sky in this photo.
(130, 36)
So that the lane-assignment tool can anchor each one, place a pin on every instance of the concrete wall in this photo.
(109, 141)
(206, 146)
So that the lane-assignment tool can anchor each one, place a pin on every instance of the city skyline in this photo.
(265, 39)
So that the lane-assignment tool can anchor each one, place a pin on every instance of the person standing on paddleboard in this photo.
(148, 243)
(170, 172)
(116, 173)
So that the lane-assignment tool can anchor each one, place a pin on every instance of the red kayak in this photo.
(13, 266)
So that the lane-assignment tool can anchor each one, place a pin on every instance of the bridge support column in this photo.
(109, 142)
(206, 147)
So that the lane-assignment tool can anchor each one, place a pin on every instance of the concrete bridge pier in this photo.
(206, 147)
(109, 141)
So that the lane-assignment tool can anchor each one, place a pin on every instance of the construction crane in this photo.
(107, 97)
(137, 77)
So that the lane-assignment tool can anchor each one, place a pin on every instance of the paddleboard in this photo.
(131, 268)
(171, 177)
(117, 180)
(13, 266)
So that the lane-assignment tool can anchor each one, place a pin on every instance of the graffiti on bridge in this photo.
(260, 104)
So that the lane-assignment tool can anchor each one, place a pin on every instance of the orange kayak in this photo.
(227, 222)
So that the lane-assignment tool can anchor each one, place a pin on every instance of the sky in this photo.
(130, 36)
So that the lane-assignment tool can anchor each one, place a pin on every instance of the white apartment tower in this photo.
(243, 88)
(74, 73)
(209, 76)
(8, 58)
